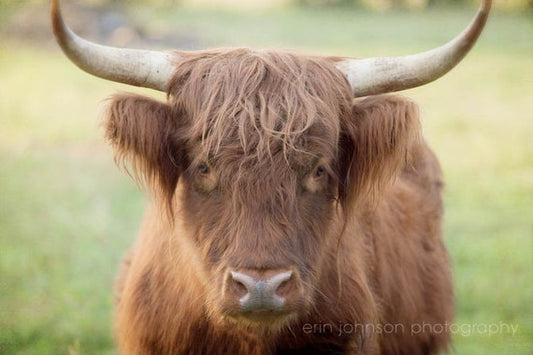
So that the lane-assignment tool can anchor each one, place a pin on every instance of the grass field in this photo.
(67, 214)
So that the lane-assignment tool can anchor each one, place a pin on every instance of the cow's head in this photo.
(259, 154)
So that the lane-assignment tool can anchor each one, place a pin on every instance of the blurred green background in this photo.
(67, 214)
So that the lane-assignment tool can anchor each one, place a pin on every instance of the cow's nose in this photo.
(262, 290)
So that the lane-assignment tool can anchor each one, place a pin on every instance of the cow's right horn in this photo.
(371, 76)
(129, 66)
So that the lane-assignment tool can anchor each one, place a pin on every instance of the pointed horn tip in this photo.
(55, 11)
(58, 25)
(486, 5)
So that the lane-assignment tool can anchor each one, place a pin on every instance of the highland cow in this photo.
(295, 208)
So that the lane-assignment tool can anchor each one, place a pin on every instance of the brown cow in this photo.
(287, 216)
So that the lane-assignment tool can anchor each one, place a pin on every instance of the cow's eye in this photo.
(316, 181)
(204, 178)
(202, 168)
(320, 171)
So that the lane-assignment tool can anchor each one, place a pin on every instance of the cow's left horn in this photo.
(373, 76)
(129, 66)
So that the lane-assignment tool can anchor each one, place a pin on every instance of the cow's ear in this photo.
(141, 130)
(375, 145)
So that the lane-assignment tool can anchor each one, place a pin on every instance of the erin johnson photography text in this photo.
(464, 329)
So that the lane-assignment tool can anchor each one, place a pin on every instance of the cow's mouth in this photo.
(263, 318)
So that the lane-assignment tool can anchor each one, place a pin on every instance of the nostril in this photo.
(238, 288)
(284, 288)
(276, 282)
(245, 282)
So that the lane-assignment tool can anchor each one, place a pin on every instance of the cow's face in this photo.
(260, 179)
(259, 224)
(264, 146)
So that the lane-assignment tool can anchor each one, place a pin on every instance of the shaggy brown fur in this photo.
(262, 160)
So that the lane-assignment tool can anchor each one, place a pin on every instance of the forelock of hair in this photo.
(264, 101)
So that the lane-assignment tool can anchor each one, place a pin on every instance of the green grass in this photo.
(67, 214)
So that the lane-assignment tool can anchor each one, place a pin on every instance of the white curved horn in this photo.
(129, 66)
(372, 76)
